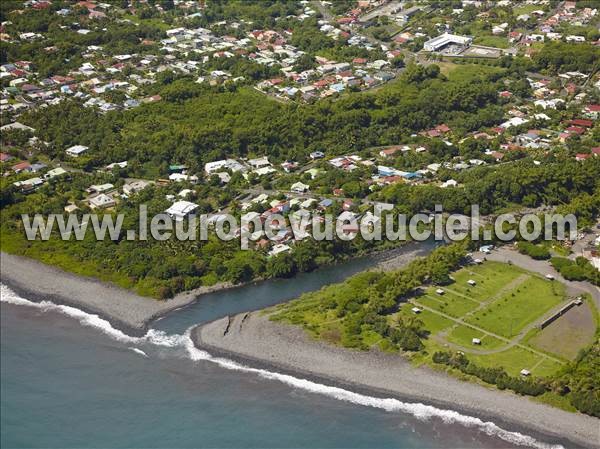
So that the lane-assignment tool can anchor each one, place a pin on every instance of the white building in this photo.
(180, 210)
(180, 177)
(515, 121)
(16, 125)
(449, 183)
(58, 171)
(101, 201)
(216, 166)
(299, 187)
(438, 43)
(279, 248)
(76, 150)
(259, 162)
(135, 186)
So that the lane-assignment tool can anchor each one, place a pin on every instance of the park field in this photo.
(499, 304)
(527, 299)
(502, 306)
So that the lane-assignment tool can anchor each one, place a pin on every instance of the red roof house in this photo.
(582, 122)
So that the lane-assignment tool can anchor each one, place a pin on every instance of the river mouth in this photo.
(259, 295)
(64, 366)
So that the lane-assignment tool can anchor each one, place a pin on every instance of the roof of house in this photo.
(21, 166)
(181, 208)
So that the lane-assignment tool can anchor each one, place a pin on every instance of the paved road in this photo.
(384, 10)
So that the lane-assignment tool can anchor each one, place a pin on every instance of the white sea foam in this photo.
(418, 410)
(138, 351)
(86, 319)
(160, 338)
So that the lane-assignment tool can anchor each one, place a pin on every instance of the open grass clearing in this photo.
(515, 309)
(490, 278)
(464, 335)
(465, 72)
(433, 322)
(492, 41)
(452, 305)
(515, 359)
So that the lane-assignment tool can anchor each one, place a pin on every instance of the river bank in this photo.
(126, 310)
(252, 338)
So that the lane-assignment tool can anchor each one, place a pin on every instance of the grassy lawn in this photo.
(432, 322)
(492, 41)
(464, 335)
(490, 277)
(555, 400)
(508, 315)
(516, 298)
(526, 9)
(450, 304)
(153, 22)
(546, 368)
(513, 360)
(463, 72)
(507, 295)
(461, 298)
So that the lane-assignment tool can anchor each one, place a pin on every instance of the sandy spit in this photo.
(253, 339)
(124, 309)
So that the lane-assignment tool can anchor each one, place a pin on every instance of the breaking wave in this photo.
(138, 351)
(160, 338)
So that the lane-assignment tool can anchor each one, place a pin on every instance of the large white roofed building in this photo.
(438, 43)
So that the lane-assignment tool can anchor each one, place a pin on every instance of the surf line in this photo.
(160, 338)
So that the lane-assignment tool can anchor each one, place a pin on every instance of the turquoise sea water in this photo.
(70, 380)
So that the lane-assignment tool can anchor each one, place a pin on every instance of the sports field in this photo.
(492, 312)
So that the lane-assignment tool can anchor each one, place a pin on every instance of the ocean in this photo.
(68, 379)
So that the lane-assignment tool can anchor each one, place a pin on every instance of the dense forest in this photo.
(579, 269)
(200, 124)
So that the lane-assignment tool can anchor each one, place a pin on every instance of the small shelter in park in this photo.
(476, 341)
(525, 372)
(440, 291)
(471, 282)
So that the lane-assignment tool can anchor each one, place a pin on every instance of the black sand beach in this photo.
(254, 339)
(124, 309)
